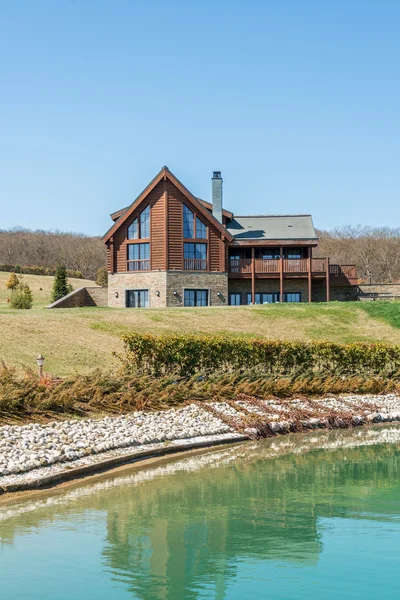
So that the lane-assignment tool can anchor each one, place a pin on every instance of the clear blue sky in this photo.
(296, 101)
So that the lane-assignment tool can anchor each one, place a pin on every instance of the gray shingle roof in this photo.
(273, 227)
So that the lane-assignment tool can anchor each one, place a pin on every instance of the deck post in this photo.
(281, 274)
(328, 280)
(309, 275)
(253, 275)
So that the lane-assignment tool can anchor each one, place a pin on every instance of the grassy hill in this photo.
(78, 340)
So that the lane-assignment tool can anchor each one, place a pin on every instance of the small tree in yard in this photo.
(21, 296)
(102, 277)
(60, 285)
(12, 282)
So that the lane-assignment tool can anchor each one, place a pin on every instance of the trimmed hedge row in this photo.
(34, 270)
(187, 355)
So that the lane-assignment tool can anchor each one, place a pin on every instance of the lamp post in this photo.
(40, 363)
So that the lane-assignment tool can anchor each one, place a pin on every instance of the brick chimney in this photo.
(217, 195)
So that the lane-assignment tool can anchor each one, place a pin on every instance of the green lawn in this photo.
(78, 340)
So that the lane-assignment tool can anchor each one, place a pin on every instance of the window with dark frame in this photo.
(292, 297)
(193, 227)
(269, 298)
(138, 258)
(235, 299)
(138, 253)
(195, 256)
(137, 298)
(139, 229)
(195, 297)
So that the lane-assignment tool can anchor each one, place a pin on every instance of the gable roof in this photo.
(226, 213)
(272, 227)
(122, 215)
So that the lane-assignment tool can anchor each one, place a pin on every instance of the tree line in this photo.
(38, 248)
(374, 250)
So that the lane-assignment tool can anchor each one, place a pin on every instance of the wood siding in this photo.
(166, 231)
(157, 232)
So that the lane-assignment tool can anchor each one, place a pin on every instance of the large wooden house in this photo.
(170, 248)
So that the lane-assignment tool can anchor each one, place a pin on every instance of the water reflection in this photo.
(183, 529)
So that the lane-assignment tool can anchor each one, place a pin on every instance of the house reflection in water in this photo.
(191, 527)
(178, 536)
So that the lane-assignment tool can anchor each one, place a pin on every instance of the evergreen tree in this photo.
(60, 285)
(12, 282)
(102, 277)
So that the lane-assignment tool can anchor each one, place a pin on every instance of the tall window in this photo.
(193, 228)
(140, 227)
(138, 257)
(195, 256)
(195, 298)
(137, 298)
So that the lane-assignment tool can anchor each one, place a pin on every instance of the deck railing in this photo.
(139, 265)
(195, 264)
(291, 265)
(348, 271)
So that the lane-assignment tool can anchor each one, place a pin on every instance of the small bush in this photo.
(21, 296)
(187, 355)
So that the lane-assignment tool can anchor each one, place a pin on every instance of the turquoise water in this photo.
(313, 516)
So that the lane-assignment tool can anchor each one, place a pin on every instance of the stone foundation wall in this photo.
(338, 293)
(154, 281)
(268, 286)
(166, 283)
(215, 283)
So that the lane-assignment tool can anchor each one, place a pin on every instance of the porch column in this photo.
(328, 280)
(281, 274)
(310, 274)
(253, 275)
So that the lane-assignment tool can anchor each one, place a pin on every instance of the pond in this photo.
(302, 516)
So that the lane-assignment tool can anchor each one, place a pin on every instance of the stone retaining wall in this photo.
(84, 296)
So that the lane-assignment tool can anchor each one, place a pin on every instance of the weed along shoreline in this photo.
(36, 456)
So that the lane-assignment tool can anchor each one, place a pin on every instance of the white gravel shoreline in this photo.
(34, 453)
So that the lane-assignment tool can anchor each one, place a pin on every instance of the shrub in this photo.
(187, 355)
(12, 282)
(35, 270)
(60, 285)
(108, 393)
(102, 277)
(21, 296)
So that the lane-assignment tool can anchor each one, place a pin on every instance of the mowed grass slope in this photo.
(79, 340)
